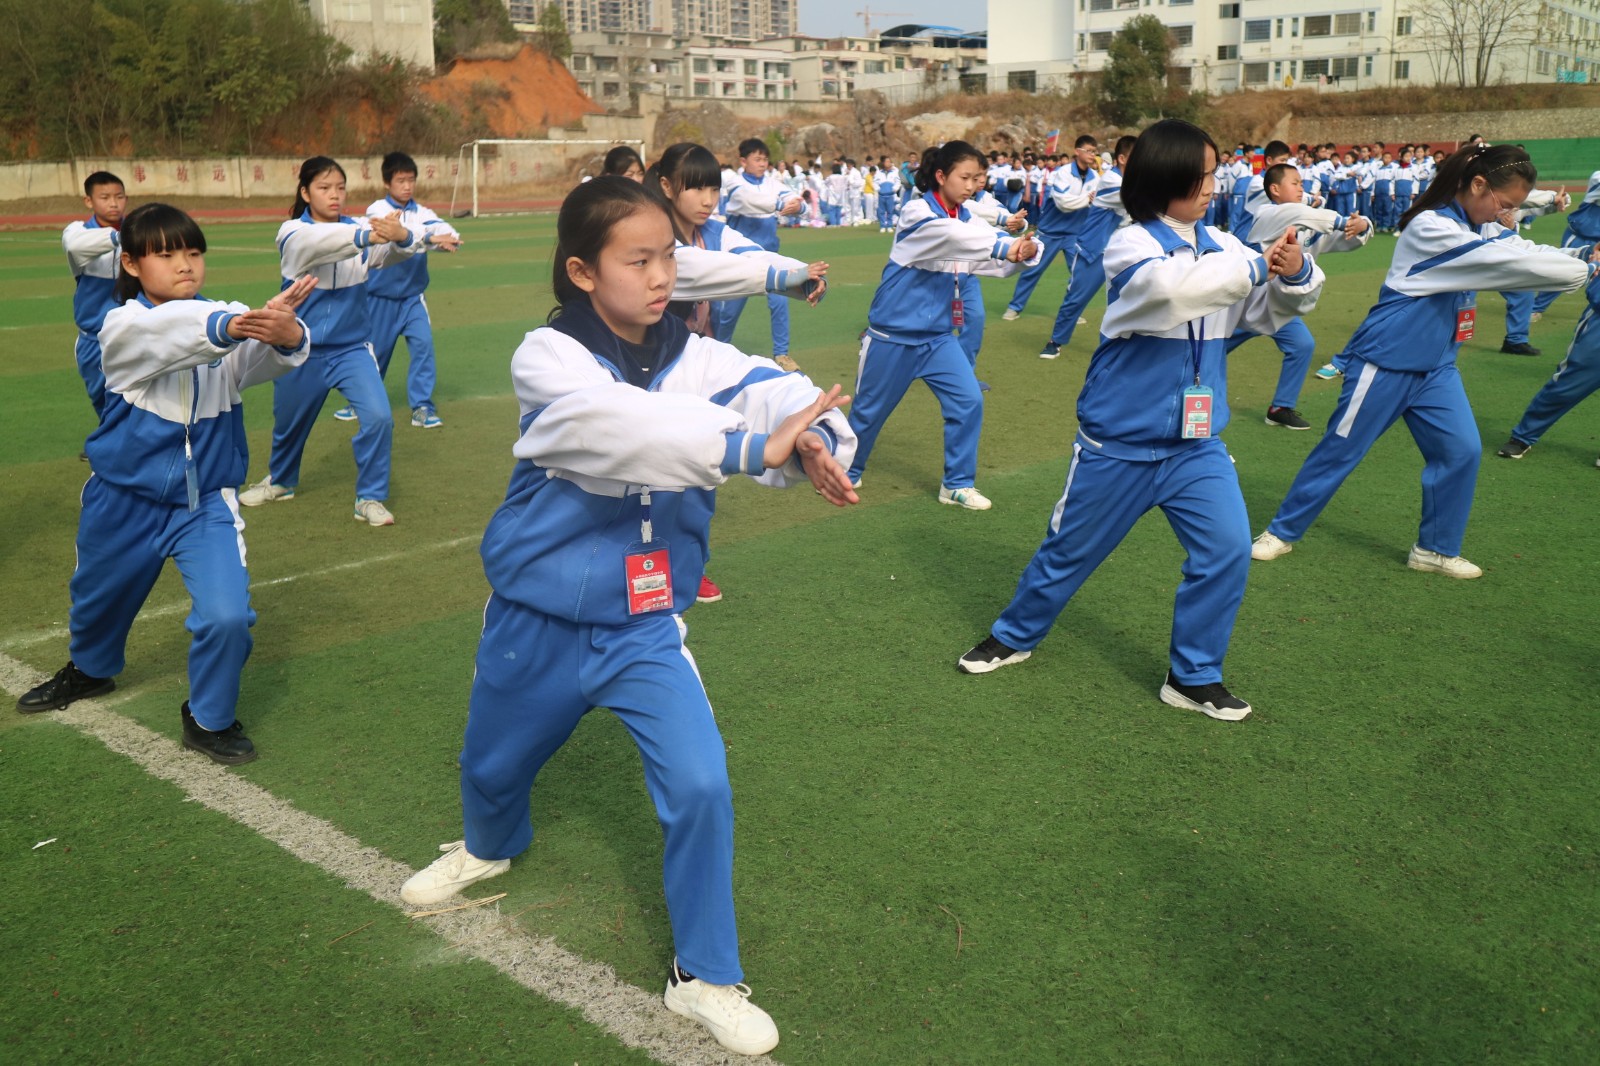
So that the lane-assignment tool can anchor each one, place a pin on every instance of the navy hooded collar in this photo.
(664, 341)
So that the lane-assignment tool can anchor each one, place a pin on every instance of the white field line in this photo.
(58, 629)
(634, 1016)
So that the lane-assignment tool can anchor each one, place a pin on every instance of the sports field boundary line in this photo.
(635, 1017)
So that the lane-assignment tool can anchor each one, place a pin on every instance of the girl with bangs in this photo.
(166, 456)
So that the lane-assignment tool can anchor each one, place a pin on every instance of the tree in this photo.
(1134, 83)
(553, 32)
(1463, 34)
(459, 26)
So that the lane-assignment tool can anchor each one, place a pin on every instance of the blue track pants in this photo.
(87, 354)
(887, 371)
(1088, 274)
(1027, 280)
(297, 399)
(725, 318)
(408, 318)
(1574, 380)
(1299, 349)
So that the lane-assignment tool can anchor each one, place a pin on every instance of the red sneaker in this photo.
(709, 593)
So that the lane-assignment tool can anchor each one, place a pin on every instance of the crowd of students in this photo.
(635, 406)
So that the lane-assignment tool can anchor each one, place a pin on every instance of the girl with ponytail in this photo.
(1402, 358)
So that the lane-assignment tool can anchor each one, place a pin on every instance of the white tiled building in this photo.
(391, 27)
(1220, 47)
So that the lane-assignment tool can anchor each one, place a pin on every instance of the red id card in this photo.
(1466, 319)
(649, 576)
(1196, 412)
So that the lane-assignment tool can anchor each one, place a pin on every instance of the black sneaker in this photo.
(1523, 348)
(229, 746)
(1051, 351)
(1513, 449)
(989, 655)
(1287, 417)
(1213, 700)
(68, 685)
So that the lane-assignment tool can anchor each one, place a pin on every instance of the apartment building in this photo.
(402, 28)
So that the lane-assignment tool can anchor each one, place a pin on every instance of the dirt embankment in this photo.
(520, 96)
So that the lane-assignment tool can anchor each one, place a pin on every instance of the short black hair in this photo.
(1086, 141)
(1125, 145)
(1275, 174)
(685, 165)
(398, 163)
(101, 177)
(153, 228)
(1275, 149)
(1168, 162)
(752, 145)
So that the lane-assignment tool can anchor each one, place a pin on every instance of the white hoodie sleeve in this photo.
(1437, 255)
(84, 244)
(704, 274)
(140, 344)
(756, 200)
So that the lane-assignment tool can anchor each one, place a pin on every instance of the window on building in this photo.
(1314, 68)
(1543, 67)
(1180, 77)
(1183, 36)
(1345, 68)
(1402, 67)
(1227, 51)
(1372, 22)
(610, 88)
(1179, 3)
(750, 68)
(702, 88)
(1319, 25)
(1402, 26)
(1026, 81)
(1099, 40)
(1228, 11)
(750, 89)
(899, 62)
(730, 88)
(1258, 30)
(1099, 5)
(1367, 66)
(1347, 25)
(580, 62)
(605, 62)
(1083, 41)
(1255, 73)
(1278, 28)
(1294, 27)
(702, 65)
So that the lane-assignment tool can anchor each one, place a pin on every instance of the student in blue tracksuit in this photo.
(629, 423)
(919, 306)
(167, 454)
(1067, 195)
(340, 251)
(1402, 358)
(395, 301)
(1101, 220)
(1583, 227)
(1320, 231)
(755, 202)
(988, 209)
(1152, 404)
(1383, 175)
(1519, 305)
(94, 254)
(1574, 381)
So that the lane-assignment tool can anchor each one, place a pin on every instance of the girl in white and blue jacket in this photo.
(628, 424)
(1401, 362)
(918, 312)
(1153, 402)
(167, 454)
(339, 251)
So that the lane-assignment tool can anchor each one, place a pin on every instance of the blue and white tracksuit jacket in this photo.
(557, 636)
(94, 252)
(1320, 231)
(396, 304)
(1070, 191)
(341, 255)
(1100, 220)
(1583, 227)
(1170, 306)
(752, 210)
(989, 210)
(167, 454)
(1401, 362)
(910, 331)
(729, 266)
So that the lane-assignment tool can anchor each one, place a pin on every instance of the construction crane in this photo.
(867, 13)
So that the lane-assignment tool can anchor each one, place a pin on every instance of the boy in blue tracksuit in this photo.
(1402, 358)
(93, 253)
(1519, 305)
(1575, 379)
(1101, 219)
(1583, 227)
(1068, 193)
(1152, 404)
(755, 201)
(395, 302)
(167, 454)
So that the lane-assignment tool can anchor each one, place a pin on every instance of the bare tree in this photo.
(1464, 35)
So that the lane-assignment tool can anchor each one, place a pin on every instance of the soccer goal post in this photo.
(502, 170)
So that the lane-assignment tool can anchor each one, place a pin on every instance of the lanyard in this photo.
(1196, 344)
(646, 530)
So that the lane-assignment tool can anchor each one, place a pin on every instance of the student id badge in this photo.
(1467, 317)
(958, 315)
(648, 572)
(1196, 412)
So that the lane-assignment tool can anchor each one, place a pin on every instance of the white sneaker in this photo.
(726, 1010)
(373, 513)
(1536, 316)
(1010, 315)
(1268, 546)
(969, 497)
(449, 874)
(1449, 565)
(1083, 321)
(264, 491)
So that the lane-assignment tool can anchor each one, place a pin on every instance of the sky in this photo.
(837, 18)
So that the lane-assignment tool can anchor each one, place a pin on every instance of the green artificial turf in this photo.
(1393, 860)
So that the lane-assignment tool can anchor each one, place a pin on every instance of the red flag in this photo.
(1051, 141)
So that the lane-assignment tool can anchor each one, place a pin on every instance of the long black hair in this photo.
(943, 159)
(1168, 163)
(684, 165)
(583, 227)
(1499, 166)
(151, 228)
(310, 171)
(619, 159)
